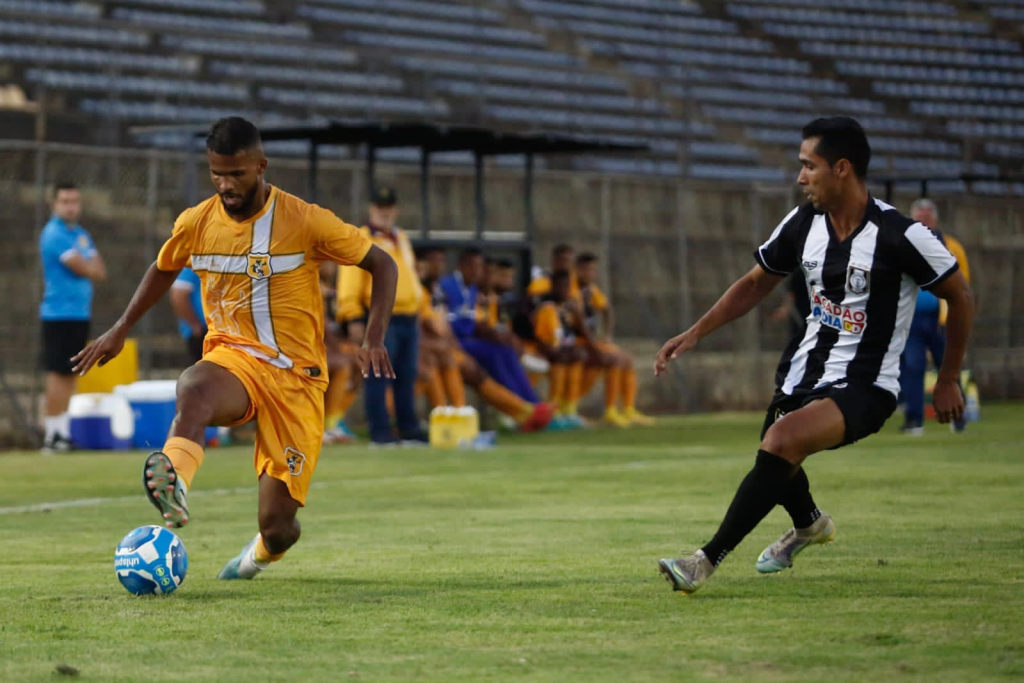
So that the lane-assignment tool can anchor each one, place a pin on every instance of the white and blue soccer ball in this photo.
(151, 559)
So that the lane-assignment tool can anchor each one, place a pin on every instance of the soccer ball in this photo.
(151, 559)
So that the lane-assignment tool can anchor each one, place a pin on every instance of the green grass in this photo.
(536, 561)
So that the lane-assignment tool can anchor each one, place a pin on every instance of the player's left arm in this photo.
(338, 241)
(947, 395)
(384, 275)
(934, 268)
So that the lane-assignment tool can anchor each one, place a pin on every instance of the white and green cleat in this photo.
(165, 489)
(244, 565)
(779, 555)
(687, 574)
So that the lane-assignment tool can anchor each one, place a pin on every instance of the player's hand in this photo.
(374, 358)
(101, 351)
(948, 401)
(672, 349)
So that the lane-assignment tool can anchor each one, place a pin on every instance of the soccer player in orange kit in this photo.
(257, 251)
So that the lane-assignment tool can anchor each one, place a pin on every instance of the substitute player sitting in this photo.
(863, 263)
(619, 372)
(257, 250)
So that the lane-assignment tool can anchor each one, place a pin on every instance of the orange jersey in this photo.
(260, 277)
(541, 286)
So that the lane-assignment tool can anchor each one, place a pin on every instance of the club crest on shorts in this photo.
(857, 279)
(295, 461)
(258, 267)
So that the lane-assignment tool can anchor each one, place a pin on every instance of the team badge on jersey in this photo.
(295, 461)
(259, 266)
(857, 279)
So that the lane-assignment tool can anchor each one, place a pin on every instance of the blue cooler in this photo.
(154, 404)
(101, 422)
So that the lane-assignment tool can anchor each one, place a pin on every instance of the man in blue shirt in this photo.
(494, 350)
(71, 264)
(187, 302)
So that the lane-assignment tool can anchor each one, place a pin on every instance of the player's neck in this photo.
(258, 202)
(847, 217)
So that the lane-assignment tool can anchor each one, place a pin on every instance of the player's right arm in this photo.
(776, 259)
(162, 273)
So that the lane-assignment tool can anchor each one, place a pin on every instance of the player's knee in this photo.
(471, 374)
(193, 398)
(782, 441)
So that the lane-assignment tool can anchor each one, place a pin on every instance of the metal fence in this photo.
(668, 247)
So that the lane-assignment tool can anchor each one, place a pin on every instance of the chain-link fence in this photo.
(669, 248)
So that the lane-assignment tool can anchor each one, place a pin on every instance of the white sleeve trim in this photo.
(67, 255)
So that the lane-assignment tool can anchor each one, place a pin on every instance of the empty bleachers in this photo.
(934, 82)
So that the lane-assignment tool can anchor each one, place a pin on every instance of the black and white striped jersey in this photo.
(862, 290)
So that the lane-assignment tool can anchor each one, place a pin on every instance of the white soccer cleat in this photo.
(779, 555)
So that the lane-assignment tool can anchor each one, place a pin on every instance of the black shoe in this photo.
(57, 444)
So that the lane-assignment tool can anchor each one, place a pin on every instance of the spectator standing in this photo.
(927, 331)
(71, 263)
(402, 339)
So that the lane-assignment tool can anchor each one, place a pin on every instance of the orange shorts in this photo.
(289, 412)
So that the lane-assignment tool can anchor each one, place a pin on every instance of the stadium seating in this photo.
(920, 74)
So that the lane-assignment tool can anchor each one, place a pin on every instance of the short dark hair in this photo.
(560, 274)
(841, 138)
(504, 263)
(469, 252)
(424, 252)
(63, 185)
(585, 258)
(561, 249)
(232, 135)
(490, 261)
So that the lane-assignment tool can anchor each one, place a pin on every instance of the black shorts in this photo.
(194, 347)
(864, 409)
(62, 339)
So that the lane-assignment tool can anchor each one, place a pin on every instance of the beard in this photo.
(244, 206)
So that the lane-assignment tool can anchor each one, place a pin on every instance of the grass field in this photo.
(535, 561)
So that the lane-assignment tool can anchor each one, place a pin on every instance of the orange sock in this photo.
(264, 555)
(573, 383)
(591, 374)
(454, 386)
(347, 399)
(556, 383)
(186, 456)
(534, 377)
(433, 388)
(612, 387)
(335, 395)
(629, 388)
(504, 400)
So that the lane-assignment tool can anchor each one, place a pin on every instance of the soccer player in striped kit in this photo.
(864, 264)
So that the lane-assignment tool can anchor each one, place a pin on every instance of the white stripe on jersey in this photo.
(261, 292)
(862, 254)
(889, 374)
(812, 261)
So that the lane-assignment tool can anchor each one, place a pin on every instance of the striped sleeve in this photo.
(780, 254)
(924, 257)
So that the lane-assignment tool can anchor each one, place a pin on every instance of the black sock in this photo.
(761, 490)
(798, 502)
